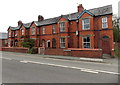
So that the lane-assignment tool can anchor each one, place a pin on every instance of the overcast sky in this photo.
(11, 11)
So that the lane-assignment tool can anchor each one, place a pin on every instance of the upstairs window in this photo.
(16, 33)
(54, 29)
(85, 24)
(22, 31)
(104, 22)
(86, 42)
(9, 34)
(62, 42)
(43, 30)
(38, 31)
(13, 34)
(33, 30)
(62, 26)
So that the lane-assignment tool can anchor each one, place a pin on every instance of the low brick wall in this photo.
(89, 53)
(15, 49)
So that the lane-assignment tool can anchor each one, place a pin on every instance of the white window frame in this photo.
(86, 41)
(9, 42)
(48, 41)
(43, 30)
(16, 33)
(53, 28)
(62, 26)
(22, 30)
(61, 42)
(83, 24)
(13, 34)
(33, 31)
(104, 22)
(9, 34)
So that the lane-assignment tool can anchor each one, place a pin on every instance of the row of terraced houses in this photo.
(86, 33)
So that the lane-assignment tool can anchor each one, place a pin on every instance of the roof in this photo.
(26, 25)
(73, 16)
(15, 28)
(3, 35)
(102, 10)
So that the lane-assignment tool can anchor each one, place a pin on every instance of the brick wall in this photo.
(91, 53)
(13, 49)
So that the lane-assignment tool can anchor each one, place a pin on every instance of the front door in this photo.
(106, 45)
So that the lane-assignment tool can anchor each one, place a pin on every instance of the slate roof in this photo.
(73, 16)
(15, 28)
(3, 35)
(102, 10)
(27, 25)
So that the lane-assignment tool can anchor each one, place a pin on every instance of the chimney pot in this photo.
(19, 22)
(80, 8)
(40, 18)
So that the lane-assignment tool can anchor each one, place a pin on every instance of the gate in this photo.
(41, 50)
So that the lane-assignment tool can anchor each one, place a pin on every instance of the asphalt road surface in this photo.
(27, 68)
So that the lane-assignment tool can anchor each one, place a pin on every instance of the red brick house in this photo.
(86, 33)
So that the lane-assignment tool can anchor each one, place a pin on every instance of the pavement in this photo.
(114, 60)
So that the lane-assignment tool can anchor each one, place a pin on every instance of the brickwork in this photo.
(95, 53)
(11, 49)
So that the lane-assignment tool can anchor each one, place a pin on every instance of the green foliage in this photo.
(117, 51)
(28, 43)
(116, 34)
(33, 50)
(22, 36)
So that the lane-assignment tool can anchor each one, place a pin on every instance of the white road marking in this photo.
(7, 58)
(90, 71)
(77, 68)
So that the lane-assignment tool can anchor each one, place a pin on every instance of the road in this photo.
(28, 68)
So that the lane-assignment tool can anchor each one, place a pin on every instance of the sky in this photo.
(11, 11)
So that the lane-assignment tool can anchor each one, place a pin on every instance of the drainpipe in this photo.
(77, 33)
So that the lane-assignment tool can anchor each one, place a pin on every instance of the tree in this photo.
(29, 43)
(116, 29)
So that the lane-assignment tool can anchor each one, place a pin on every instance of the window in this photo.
(43, 43)
(13, 33)
(33, 30)
(104, 22)
(43, 30)
(86, 42)
(9, 34)
(62, 26)
(54, 28)
(62, 42)
(38, 31)
(22, 31)
(53, 43)
(16, 33)
(85, 24)
(8, 43)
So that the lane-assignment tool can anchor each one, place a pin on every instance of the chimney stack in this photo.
(40, 18)
(80, 8)
(19, 22)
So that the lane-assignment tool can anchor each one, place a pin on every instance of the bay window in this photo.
(86, 42)
(85, 24)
